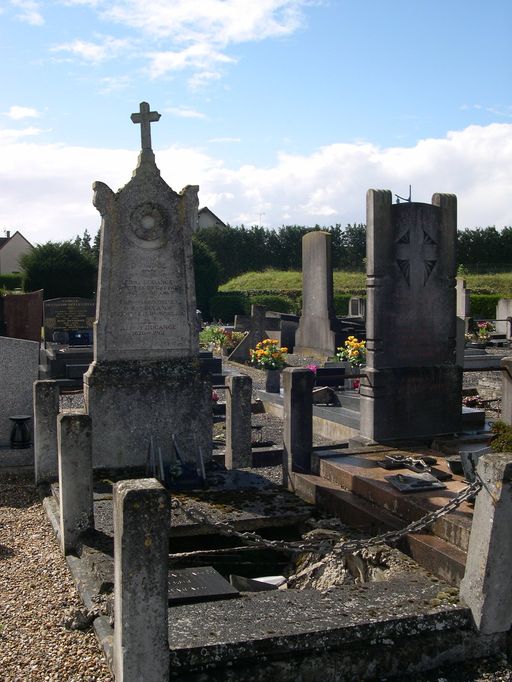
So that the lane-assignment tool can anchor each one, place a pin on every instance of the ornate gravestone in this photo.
(144, 384)
(413, 385)
(319, 331)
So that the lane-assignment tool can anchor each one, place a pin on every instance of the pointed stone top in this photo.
(145, 117)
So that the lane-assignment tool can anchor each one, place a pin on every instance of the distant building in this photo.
(11, 250)
(207, 218)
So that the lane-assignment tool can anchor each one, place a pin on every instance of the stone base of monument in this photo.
(407, 402)
(134, 403)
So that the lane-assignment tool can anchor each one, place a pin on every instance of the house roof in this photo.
(205, 209)
(4, 240)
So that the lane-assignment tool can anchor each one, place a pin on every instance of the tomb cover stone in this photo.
(23, 315)
(189, 585)
(413, 385)
(145, 380)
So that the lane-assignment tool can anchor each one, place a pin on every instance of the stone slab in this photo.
(23, 315)
(202, 584)
(362, 476)
(18, 371)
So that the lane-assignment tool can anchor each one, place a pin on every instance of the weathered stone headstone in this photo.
(357, 307)
(18, 371)
(413, 385)
(145, 380)
(23, 315)
(318, 331)
(68, 318)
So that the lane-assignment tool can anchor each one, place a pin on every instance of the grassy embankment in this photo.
(353, 282)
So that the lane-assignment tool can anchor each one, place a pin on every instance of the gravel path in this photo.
(37, 596)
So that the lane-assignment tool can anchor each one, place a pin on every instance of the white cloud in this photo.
(184, 112)
(16, 113)
(93, 52)
(192, 34)
(11, 134)
(46, 189)
(29, 12)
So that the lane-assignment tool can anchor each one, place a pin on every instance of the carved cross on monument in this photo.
(145, 117)
(416, 256)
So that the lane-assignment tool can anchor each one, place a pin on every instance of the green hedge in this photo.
(281, 304)
(341, 304)
(11, 282)
(225, 306)
(483, 306)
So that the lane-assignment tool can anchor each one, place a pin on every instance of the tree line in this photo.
(241, 249)
(222, 252)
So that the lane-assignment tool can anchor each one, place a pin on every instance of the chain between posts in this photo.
(325, 547)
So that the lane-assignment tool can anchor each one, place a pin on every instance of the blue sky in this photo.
(283, 111)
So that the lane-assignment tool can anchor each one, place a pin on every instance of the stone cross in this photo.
(416, 255)
(145, 117)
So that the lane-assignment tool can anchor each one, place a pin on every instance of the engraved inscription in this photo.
(153, 307)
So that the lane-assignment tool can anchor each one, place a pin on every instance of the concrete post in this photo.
(486, 584)
(238, 421)
(75, 478)
(506, 394)
(46, 409)
(141, 550)
(298, 422)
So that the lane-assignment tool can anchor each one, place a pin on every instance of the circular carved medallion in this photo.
(148, 226)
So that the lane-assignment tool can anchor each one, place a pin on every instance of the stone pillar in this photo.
(141, 550)
(298, 422)
(463, 313)
(486, 584)
(238, 421)
(413, 384)
(506, 394)
(75, 478)
(318, 329)
(46, 409)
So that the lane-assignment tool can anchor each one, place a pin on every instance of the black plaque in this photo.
(69, 314)
(189, 585)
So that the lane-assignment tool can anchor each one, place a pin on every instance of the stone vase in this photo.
(273, 380)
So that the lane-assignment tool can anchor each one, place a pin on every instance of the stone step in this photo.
(360, 474)
(435, 554)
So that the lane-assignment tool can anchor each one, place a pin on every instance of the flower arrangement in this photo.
(312, 368)
(231, 339)
(484, 330)
(353, 350)
(268, 354)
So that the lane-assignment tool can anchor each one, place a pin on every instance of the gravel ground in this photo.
(37, 597)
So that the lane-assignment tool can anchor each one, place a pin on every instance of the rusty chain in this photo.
(325, 547)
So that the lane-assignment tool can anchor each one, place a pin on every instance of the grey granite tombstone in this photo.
(19, 362)
(145, 380)
(256, 333)
(318, 327)
(413, 385)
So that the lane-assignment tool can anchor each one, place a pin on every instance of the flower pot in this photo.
(273, 381)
